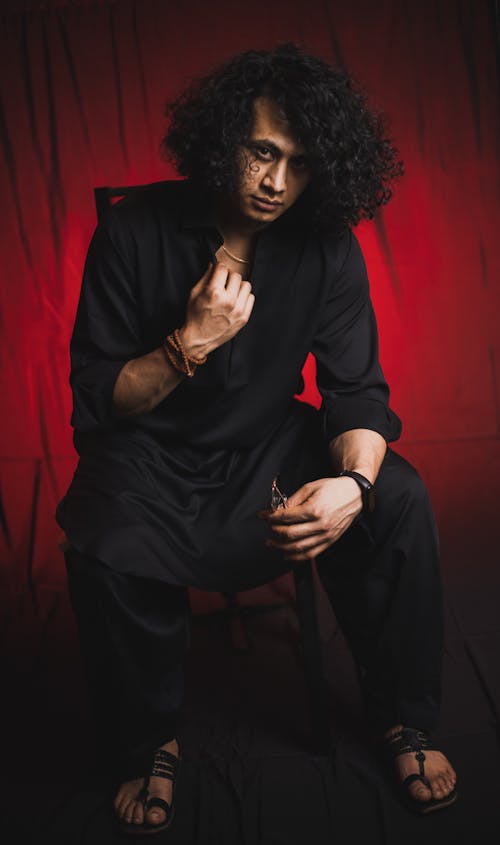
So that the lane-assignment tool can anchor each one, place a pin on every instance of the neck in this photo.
(232, 224)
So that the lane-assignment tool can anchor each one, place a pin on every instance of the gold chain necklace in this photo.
(234, 257)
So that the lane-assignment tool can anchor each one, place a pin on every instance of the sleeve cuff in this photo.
(93, 390)
(348, 413)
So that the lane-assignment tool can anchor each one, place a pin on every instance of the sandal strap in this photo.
(165, 765)
(143, 794)
(412, 778)
(158, 802)
(408, 740)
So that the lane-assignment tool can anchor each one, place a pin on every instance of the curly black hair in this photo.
(353, 163)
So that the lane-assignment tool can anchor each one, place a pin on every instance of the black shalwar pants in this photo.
(383, 581)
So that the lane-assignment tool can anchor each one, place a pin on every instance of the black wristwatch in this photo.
(367, 489)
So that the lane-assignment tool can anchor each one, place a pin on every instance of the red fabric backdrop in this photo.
(82, 90)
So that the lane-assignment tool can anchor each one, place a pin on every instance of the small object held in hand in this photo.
(278, 499)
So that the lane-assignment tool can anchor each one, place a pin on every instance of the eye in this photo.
(300, 163)
(263, 152)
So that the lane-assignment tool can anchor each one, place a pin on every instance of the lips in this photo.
(266, 202)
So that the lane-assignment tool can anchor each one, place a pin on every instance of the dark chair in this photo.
(235, 615)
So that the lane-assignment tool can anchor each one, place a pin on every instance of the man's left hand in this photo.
(315, 516)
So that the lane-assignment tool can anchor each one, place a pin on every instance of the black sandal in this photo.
(165, 765)
(412, 740)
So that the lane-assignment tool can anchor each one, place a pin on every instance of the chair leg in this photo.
(312, 656)
(235, 616)
(239, 635)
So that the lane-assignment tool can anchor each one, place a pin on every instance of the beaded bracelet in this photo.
(172, 358)
(173, 348)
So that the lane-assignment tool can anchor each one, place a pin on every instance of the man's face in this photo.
(275, 166)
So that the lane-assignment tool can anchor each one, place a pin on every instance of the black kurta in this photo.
(174, 493)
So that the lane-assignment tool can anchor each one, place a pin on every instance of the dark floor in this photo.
(249, 775)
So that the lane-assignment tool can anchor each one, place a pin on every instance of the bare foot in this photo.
(438, 771)
(131, 811)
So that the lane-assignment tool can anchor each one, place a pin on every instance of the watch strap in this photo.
(367, 488)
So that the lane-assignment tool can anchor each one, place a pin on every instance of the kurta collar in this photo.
(198, 207)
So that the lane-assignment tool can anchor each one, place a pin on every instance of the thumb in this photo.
(299, 497)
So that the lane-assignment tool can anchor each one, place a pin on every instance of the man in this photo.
(200, 302)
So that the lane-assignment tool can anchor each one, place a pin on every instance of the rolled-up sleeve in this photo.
(350, 380)
(105, 335)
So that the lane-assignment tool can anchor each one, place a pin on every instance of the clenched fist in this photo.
(219, 306)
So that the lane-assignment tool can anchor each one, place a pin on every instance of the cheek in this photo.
(252, 173)
(249, 171)
(298, 186)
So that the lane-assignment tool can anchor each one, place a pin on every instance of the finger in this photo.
(311, 553)
(243, 294)
(233, 284)
(303, 544)
(248, 307)
(301, 502)
(289, 516)
(290, 534)
(272, 514)
(316, 538)
(219, 277)
(300, 496)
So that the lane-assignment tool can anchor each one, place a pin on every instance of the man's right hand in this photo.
(219, 306)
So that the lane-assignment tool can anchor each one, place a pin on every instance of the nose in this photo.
(276, 176)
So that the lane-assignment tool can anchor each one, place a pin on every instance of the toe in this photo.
(451, 783)
(120, 799)
(445, 785)
(138, 816)
(450, 774)
(134, 811)
(128, 811)
(155, 816)
(122, 807)
(420, 791)
(439, 787)
(124, 797)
